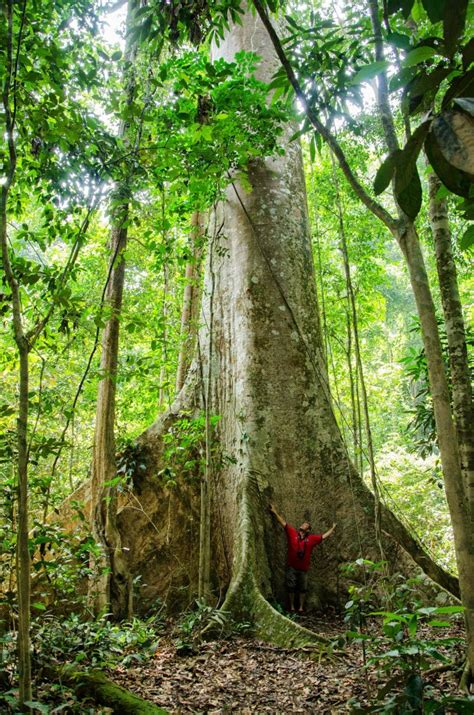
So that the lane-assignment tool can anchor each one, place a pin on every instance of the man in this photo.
(300, 545)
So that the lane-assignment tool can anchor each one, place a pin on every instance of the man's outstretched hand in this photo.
(328, 533)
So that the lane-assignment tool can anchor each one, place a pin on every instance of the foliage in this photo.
(97, 643)
(80, 642)
(184, 454)
(203, 622)
(400, 642)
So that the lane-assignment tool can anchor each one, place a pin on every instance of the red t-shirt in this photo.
(299, 549)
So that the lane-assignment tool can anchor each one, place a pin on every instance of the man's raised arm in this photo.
(328, 533)
(277, 516)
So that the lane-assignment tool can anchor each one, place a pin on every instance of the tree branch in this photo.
(373, 206)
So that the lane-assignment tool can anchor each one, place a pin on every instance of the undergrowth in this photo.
(400, 643)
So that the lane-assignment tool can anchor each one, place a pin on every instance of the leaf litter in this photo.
(247, 676)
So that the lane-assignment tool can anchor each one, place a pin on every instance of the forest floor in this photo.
(243, 675)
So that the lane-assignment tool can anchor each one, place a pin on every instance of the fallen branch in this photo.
(103, 691)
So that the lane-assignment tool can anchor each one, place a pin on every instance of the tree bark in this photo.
(22, 551)
(461, 516)
(189, 313)
(110, 587)
(454, 321)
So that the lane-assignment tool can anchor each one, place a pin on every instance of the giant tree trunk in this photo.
(271, 386)
(278, 438)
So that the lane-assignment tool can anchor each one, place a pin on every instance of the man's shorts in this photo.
(296, 580)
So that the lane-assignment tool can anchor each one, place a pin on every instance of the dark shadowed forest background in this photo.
(236, 245)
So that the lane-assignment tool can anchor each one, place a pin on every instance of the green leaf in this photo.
(406, 159)
(449, 609)
(402, 78)
(419, 55)
(424, 82)
(453, 24)
(39, 606)
(417, 11)
(410, 198)
(398, 40)
(116, 56)
(312, 149)
(455, 180)
(384, 174)
(364, 74)
(467, 239)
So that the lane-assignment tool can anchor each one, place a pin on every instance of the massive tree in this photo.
(260, 368)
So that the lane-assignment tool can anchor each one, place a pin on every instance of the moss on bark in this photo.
(103, 691)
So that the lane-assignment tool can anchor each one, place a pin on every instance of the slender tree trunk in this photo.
(164, 394)
(110, 588)
(189, 314)
(359, 364)
(453, 317)
(450, 453)
(22, 551)
(206, 481)
(458, 503)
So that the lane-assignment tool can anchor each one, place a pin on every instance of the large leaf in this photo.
(419, 55)
(410, 198)
(454, 132)
(398, 40)
(461, 86)
(406, 159)
(455, 180)
(425, 84)
(402, 78)
(369, 72)
(467, 240)
(408, 190)
(453, 24)
(385, 173)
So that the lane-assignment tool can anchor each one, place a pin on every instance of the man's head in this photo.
(305, 528)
